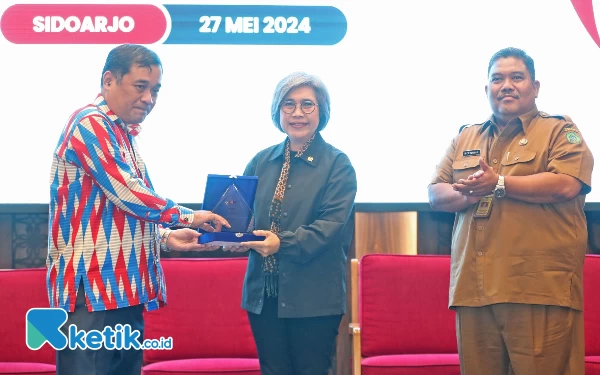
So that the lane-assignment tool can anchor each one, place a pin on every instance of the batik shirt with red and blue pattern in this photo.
(105, 217)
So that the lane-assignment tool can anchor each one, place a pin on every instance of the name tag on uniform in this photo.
(484, 207)
(471, 152)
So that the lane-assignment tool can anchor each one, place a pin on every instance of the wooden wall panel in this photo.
(6, 255)
(341, 363)
(593, 220)
(386, 232)
(30, 240)
(435, 233)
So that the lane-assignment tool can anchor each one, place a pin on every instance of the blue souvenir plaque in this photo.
(233, 198)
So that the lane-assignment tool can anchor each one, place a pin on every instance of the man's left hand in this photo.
(186, 239)
(269, 246)
(480, 183)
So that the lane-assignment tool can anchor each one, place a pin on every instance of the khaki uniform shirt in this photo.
(522, 252)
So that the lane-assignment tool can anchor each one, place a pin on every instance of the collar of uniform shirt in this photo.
(525, 120)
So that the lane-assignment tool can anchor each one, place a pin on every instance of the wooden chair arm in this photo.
(354, 325)
(356, 355)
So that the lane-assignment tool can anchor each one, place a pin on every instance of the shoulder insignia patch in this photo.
(573, 138)
(562, 117)
(463, 127)
(468, 126)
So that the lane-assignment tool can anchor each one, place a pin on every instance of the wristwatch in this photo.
(500, 190)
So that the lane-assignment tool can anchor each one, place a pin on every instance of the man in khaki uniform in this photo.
(517, 183)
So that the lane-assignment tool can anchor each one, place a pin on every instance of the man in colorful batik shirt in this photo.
(106, 223)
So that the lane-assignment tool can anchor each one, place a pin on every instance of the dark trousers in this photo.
(101, 361)
(293, 346)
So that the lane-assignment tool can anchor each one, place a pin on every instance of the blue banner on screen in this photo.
(259, 25)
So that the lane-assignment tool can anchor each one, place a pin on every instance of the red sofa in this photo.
(210, 331)
(21, 290)
(211, 334)
(591, 315)
(404, 325)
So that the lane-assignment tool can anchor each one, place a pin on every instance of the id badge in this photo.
(484, 207)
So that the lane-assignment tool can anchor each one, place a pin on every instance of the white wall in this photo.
(402, 81)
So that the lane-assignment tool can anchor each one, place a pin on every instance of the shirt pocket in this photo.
(519, 163)
(463, 168)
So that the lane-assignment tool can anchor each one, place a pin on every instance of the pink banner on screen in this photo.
(83, 24)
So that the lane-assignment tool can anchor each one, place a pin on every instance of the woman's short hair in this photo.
(294, 81)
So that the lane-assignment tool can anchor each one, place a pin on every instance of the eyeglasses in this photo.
(307, 106)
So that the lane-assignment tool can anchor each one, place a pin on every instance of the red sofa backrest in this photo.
(203, 315)
(591, 304)
(403, 305)
(21, 290)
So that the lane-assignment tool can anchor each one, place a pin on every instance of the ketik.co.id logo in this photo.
(585, 11)
(83, 24)
(44, 326)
